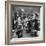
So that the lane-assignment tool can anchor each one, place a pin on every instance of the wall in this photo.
(2, 23)
(24, 0)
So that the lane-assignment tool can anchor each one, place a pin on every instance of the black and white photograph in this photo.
(25, 21)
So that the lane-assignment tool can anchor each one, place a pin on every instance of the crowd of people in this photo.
(27, 22)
